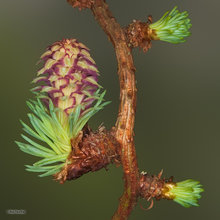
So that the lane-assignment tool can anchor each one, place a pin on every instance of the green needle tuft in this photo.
(173, 27)
(56, 133)
(186, 193)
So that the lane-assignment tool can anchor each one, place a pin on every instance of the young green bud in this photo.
(186, 193)
(173, 27)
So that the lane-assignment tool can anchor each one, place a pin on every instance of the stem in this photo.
(126, 115)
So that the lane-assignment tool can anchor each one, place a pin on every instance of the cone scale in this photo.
(70, 75)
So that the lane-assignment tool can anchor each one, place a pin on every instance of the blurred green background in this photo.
(178, 108)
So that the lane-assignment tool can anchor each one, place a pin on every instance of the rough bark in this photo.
(121, 40)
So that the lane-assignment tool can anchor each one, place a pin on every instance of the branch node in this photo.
(186, 193)
(139, 34)
(91, 151)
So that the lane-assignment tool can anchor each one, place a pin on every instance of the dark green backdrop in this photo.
(178, 109)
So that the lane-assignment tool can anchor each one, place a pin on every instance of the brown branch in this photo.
(126, 116)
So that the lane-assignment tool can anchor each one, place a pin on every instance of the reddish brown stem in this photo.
(126, 116)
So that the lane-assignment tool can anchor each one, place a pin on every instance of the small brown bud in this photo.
(81, 4)
(138, 34)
